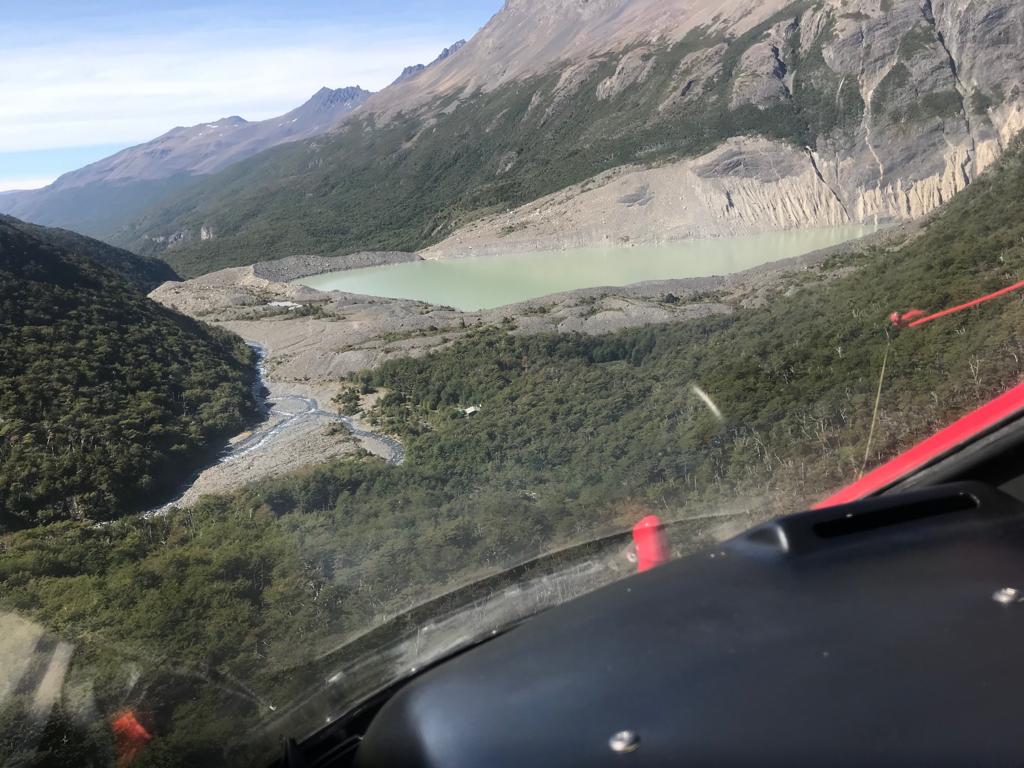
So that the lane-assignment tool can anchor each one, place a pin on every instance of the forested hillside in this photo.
(143, 272)
(107, 400)
(576, 437)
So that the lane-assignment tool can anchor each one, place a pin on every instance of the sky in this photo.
(82, 79)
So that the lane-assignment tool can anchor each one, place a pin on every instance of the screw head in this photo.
(624, 741)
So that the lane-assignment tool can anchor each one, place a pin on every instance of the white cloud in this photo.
(132, 88)
(6, 185)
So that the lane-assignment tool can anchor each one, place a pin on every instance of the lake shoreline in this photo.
(292, 268)
(474, 284)
(333, 335)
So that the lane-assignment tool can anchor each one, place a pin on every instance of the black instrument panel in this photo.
(883, 633)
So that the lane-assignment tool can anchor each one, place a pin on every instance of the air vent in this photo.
(873, 520)
(814, 531)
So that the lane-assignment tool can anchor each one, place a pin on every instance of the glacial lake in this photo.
(486, 282)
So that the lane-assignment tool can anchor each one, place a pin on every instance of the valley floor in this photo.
(298, 431)
(319, 339)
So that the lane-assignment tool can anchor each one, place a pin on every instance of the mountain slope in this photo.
(100, 197)
(593, 433)
(872, 110)
(107, 400)
(143, 272)
(210, 147)
(535, 37)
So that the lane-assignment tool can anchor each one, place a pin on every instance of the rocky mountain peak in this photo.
(328, 98)
(454, 48)
(415, 69)
(410, 71)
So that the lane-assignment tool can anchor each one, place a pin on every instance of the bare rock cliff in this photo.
(920, 97)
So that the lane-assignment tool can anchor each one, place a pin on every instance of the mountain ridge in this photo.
(96, 198)
(529, 37)
(766, 116)
(192, 149)
(415, 69)
(144, 273)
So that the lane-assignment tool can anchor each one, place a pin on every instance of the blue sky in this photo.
(81, 79)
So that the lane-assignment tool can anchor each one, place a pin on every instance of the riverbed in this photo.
(475, 283)
(291, 435)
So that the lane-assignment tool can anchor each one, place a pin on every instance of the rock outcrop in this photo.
(933, 91)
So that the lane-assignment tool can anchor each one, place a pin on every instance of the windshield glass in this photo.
(298, 402)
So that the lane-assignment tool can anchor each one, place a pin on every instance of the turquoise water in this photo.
(492, 281)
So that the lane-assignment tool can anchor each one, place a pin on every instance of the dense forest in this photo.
(107, 400)
(143, 272)
(577, 437)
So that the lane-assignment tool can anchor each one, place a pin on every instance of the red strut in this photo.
(968, 305)
(973, 425)
(651, 543)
